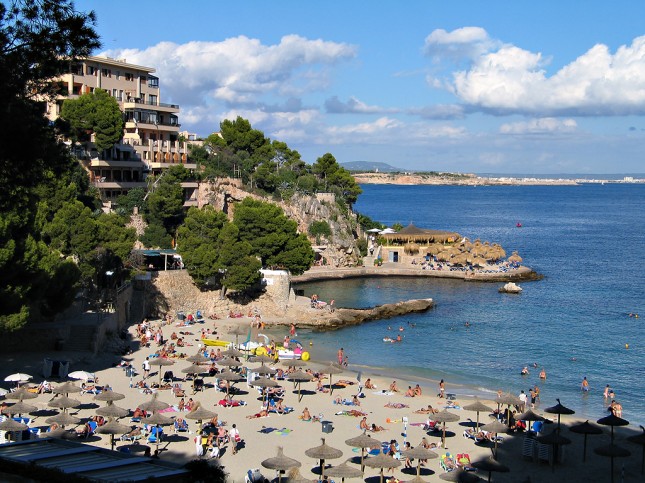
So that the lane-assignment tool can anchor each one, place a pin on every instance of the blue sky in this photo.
(463, 86)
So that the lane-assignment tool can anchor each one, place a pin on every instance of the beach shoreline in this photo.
(294, 435)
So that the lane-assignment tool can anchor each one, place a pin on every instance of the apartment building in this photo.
(150, 141)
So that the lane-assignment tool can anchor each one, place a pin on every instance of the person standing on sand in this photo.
(442, 388)
(341, 356)
(146, 368)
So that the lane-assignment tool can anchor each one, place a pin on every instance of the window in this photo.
(77, 69)
(91, 70)
(153, 82)
(106, 72)
(152, 99)
(115, 93)
(117, 74)
(129, 76)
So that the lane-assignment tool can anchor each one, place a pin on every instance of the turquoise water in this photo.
(588, 242)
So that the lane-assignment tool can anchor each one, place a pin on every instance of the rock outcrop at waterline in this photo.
(346, 317)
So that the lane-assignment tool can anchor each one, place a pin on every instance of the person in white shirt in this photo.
(522, 397)
(234, 438)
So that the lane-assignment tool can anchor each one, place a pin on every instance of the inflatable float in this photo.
(216, 342)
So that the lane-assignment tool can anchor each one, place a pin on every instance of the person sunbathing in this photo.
(320, 387)
(139, 413)
(428, 410)
(306, 415)
(262, 414)
(375, 429)
(369, 385)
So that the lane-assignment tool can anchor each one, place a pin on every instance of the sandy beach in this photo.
(261, 437)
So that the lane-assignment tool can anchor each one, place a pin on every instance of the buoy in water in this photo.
(626, 346)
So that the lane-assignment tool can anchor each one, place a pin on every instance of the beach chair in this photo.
(529, 447)
(463, 461)
(181, 426)
(156, 435)
(471, 435)
(178, 391)
(447, 463)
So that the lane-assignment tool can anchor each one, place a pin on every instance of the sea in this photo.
(588, 242)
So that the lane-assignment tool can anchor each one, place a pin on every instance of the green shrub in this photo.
(319, 228)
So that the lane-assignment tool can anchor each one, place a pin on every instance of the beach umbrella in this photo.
(612, 451)
(194, 369)
(343, 471)
(11, 425)
(445, 417)
(299, 377)
(264, 370)
(612, 421)
(460, 476)
(264, 382)
(199, 414)
(63, 402)
(559, 409)
(112, 427)
(294, 363)
(112, 411)
(529, 416)
(154, 404)
(495, 427)
(420, 453)
(18, 377)
(280, 463)
(82, 375)
(381, 461)
(478, 407)
(296, 477)
(19, 408)
(331, 369)
(515, 258)
(68, 387)
(585, 428)
(160, 362)
(109, 396)
(231, 377)
(21, 394)
(555, 439)
(262, 358)
(322, 453)
(237, 331)
(63, 419)
(228, 362)
(491, 465)
(233, 352)
(363, 441)
(198, 359)
(157, 420)
(3, 391)
(639, 439)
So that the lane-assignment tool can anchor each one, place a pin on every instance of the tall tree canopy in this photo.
(97, 112)
(37, 41)
(273, 236)
(213, 253)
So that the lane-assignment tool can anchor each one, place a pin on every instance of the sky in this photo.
(544, 87)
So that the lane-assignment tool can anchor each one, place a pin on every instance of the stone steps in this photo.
(81, 338)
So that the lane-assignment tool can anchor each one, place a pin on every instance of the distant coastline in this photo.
(475, 180)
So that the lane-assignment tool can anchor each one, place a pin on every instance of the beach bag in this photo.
(237, 438)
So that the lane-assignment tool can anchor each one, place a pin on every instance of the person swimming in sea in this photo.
(525, 371)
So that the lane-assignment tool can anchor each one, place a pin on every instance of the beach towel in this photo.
(171, 409)
(267, 430)
(383, 393)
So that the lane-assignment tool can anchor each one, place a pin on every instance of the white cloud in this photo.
(239, 69)
(545, 125)
(465, 42)
(509, 79)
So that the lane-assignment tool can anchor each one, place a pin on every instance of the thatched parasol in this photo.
(233, 352)
(555, 439)
(382, 461)
(478, 407)
(363, 441)
(198, 359)
(154, 404)
(262, 358)
(612, 451)
(298, 378)
(109, 396)
(280, 463)
(63, 419)
(612, 421)
(21, 393)
(529, 416)
(264, 370)
(639, 439)
(460, 475)
(112, 411)
(489, 464)
(264, 382)
(10, 425)
(237, 331)
(229, 362)
(420, 453)
(495, 427)
(515, 258)
(231, 377)
(161, 362)
(445, 417)
(322, 453)
(585, 428)
(343, 471)
(411, 248)
(331, 369)
(194, 369)
(200, 414)
(157, 420)
(67, 387)
(63, 402)
(559, 409)
(19, 408)
(112, 427)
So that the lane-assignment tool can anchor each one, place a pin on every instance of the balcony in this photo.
(101, 184)
(134, 102)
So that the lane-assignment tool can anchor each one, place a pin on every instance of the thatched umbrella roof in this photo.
(109, 396)
(112, 411)
(382, 461)
(363, 441)
(21, 393)
(63, 419)
(67, 387)
(280, 463)
(322, 453)
(63, 402)
(200, 414)
(411, 248)
(198, 359)
(343, 471)
(586, 429)
(515, 258)
(154, 404)
(113, 427)
(19, 408)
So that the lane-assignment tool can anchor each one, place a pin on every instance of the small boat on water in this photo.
(518, 225)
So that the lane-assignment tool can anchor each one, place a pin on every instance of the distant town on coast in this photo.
(366, 172)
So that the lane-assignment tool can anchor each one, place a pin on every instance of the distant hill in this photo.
(367, 166)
